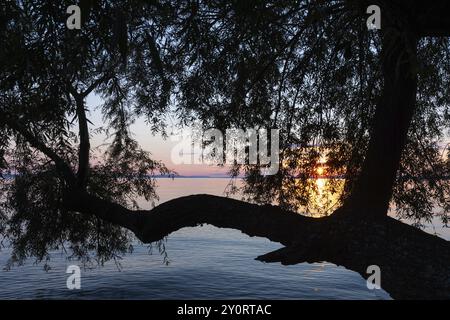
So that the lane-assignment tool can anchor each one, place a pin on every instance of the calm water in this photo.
(205, 263)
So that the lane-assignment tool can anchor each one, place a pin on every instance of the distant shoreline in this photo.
(10, 176)
(195, 177)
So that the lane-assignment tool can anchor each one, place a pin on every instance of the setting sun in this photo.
(320, 170)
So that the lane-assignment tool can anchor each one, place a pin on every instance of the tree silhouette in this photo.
(375, 104)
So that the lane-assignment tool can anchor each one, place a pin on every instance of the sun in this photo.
(320, 170)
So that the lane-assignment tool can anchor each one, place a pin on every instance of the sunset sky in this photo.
(159, 147)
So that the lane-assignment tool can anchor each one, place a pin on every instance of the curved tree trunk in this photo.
(372, 191)
(414, 264)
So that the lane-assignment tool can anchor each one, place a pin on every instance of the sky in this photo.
(159, 147)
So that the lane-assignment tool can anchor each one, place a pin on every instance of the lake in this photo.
(205, 263)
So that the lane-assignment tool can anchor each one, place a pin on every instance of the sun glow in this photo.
(320, 171)
(325, 191)
(317, 193)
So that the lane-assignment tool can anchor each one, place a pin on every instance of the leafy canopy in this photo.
(309, 68)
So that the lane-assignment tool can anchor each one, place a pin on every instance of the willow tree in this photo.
(374, 104)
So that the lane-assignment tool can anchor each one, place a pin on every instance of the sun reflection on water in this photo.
(324, 196)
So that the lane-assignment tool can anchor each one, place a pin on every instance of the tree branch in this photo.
(84, 148)
(156, 57)
(264, 221)
(36, 143)
(414, 264)
(83, 152)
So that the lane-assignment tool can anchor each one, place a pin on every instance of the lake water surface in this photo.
(205, 263)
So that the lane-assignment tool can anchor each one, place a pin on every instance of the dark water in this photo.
(205, 262)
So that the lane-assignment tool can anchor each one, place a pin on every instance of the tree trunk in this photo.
(413, 264)
(372, 190)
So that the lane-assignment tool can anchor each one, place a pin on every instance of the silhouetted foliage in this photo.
(47, 71)
(314, 71)
(310, 68)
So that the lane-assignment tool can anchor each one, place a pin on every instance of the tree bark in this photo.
(84, 148)
(372, 191)
(414, 264)
(266, 221)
